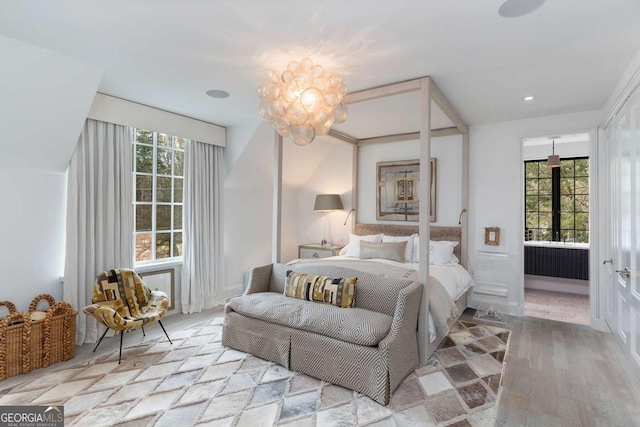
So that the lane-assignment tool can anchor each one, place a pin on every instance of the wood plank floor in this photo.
(561, 374)
(557, 374)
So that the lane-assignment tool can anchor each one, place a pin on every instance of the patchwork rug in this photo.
(197, 381)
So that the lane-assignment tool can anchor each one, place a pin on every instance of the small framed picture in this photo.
(160, 281)
(492, 236)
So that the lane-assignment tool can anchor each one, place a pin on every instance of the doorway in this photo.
(556, 188)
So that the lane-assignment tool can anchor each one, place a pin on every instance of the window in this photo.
(158, 181)
(557, 200)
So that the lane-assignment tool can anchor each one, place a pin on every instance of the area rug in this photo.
(197, 381)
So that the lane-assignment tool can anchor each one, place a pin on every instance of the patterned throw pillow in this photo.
(337, 291)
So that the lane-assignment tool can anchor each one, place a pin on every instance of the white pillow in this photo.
(441, 252)
(408, 254)
(353, 248)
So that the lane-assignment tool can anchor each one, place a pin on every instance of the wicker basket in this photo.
(15, 342)
(54, 337)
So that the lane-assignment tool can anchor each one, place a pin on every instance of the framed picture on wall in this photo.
(492, 236)
(160, 281)
(399, 188)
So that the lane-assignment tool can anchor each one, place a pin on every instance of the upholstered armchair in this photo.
(121, 301)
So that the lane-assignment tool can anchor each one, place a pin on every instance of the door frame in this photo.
(596, 308)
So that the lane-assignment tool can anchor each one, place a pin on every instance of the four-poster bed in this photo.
(431, 103)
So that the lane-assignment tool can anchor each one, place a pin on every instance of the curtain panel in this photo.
(99, 214)
(202, 284)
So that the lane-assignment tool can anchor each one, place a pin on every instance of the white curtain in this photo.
(99, 214)
(202, 284)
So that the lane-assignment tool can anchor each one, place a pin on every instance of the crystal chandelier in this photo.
(303, 101)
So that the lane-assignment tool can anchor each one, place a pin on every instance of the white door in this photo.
(623, 305)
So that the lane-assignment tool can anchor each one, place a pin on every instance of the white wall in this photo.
(448, 152)
(495, 180)
(32, 231)
(566, 150)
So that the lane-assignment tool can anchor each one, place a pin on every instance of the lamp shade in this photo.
(328, 202)
(553, 161)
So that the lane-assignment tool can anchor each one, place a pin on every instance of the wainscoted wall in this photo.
(32, 227)
(495, 168)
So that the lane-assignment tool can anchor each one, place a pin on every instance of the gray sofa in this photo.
(370, 348)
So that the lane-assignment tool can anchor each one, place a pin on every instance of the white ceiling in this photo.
(166, 54)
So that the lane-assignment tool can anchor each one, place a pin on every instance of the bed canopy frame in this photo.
(429, 96)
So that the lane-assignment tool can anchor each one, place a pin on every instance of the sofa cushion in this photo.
(357, 326)
(336, 291)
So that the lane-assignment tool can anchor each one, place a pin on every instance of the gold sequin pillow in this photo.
(340, 292)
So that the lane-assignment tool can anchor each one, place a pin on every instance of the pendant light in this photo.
(553, 161)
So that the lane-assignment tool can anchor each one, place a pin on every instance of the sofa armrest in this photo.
(400, 346)
(259, 278)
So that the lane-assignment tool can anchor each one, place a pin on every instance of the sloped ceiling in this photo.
(45, 99)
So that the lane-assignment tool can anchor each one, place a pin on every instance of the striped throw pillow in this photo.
(336, 291)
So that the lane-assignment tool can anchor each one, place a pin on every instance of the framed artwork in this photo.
(399, 188)
(160, 281)
(492, 236)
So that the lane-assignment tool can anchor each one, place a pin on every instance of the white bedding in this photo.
(454, 278)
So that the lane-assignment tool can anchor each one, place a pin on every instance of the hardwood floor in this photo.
(561, 374)
(559, 306)
(557, 374)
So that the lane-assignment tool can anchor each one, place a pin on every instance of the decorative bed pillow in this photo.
(353, 248)
(408, 255)
(440, 251)
(394, 251)
(336, 291)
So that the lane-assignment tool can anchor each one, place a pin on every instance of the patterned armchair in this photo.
(121, 301)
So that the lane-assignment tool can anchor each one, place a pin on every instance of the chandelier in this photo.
(303, 101)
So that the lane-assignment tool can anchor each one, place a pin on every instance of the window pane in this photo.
(144, 136)
(143, 217)
(163, 245)
(163, 193)
(144, 188)
(531, 186)
(582, 236)
(567, 236)
(143, 247)
(582, 167)
(567, 168)
(567, 186)
(179, 142)
(164, 140)
(144, 159)
(532, 220)
(163, 217)
(582, 203)
(164, 162)
(531, 203)
(582, 221)
(544, 235)
(177, 190)
(545, 204)
(179, 163)
(544, 171)
(531, 170)
(545, 186)
(566, 221)
(582, 185)
(566, 204)
(177, 217)
(545, 220)
(177, 244)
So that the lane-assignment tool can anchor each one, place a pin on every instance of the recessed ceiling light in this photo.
(214, 93)
(516, 8)
(528, 98)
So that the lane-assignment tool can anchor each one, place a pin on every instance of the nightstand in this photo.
(316, 250)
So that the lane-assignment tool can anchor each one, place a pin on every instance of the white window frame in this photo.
(154, 203)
